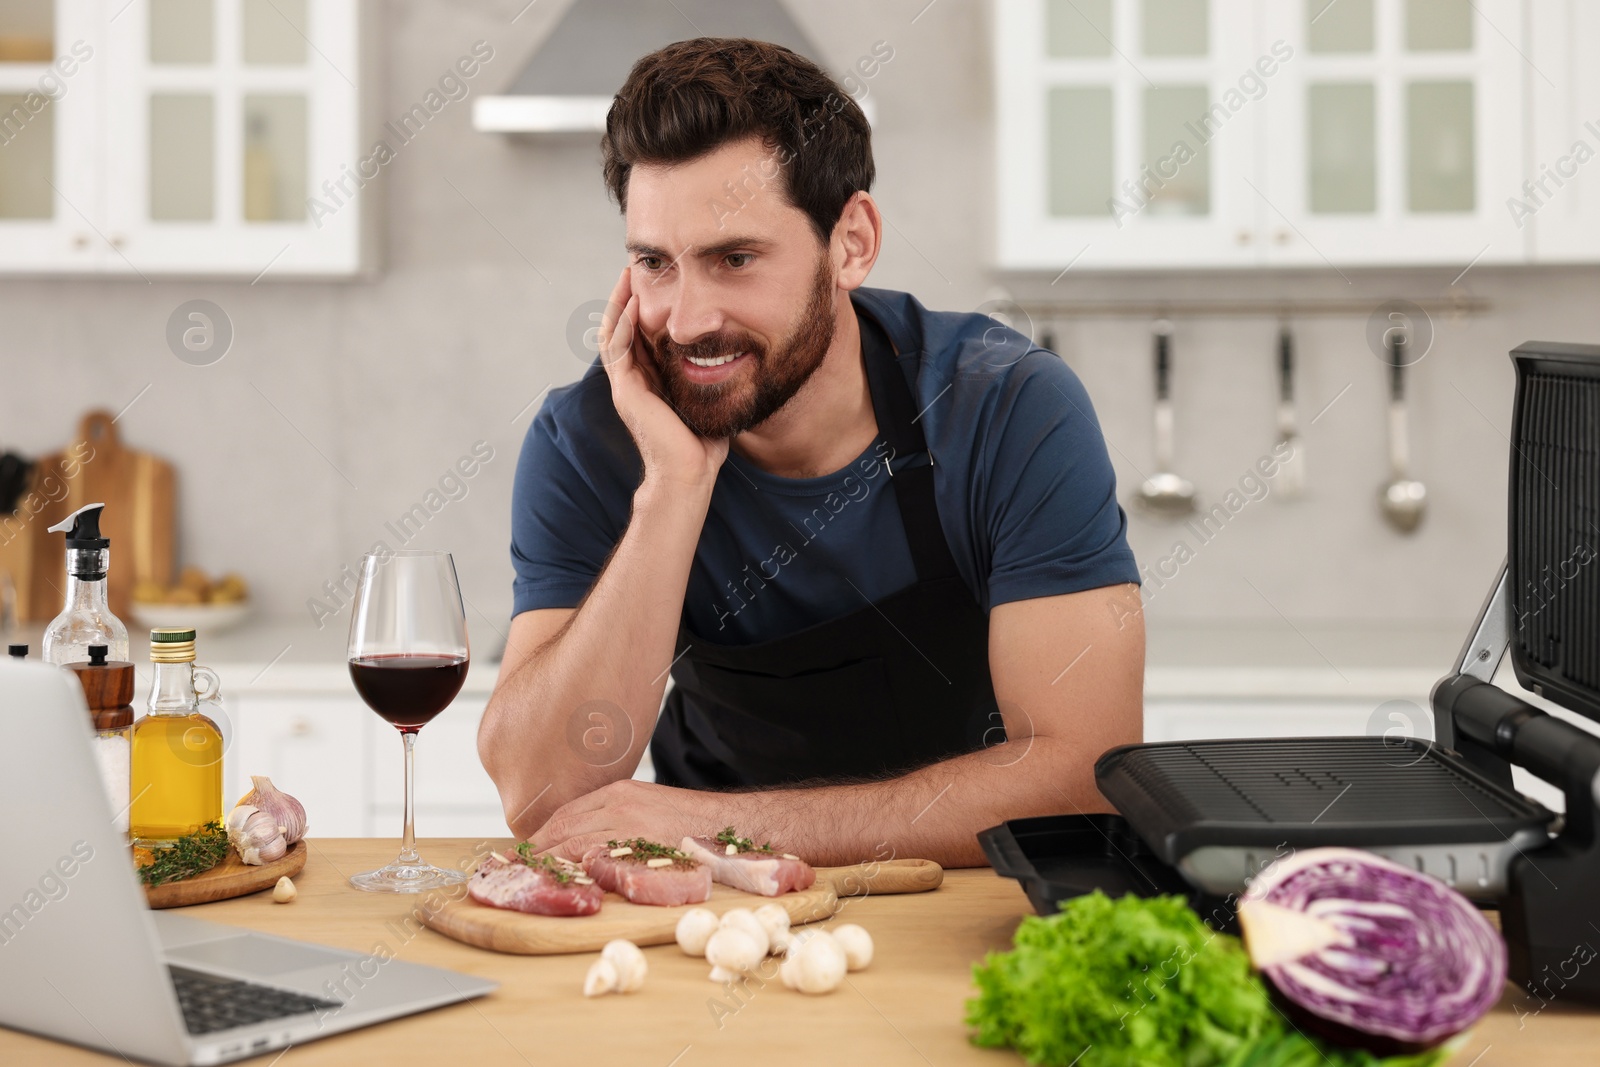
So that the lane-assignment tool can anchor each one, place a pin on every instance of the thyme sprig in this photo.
(742, 844)
(549, 864)
(190, 855)
(648, 850)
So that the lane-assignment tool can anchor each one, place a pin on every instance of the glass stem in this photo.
(408, 846)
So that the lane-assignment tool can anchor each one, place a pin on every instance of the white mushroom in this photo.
(745, 919)
(815, 964)
(602, 978)
(695, 929)
(775, 920)
(732, 952)
(857, 945)
(630, 964)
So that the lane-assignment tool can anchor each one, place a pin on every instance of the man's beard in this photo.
(724, 409)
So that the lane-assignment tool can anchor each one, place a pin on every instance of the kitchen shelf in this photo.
(1123, 309)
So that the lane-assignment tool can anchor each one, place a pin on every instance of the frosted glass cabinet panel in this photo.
(1118, 120)
(48, 114)
(1397, 124)
(179, 136)
(1227, 133)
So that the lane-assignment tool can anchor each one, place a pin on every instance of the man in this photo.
(877, 548)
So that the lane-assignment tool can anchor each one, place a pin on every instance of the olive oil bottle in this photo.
(176, 781)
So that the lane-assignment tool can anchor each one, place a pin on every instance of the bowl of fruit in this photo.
(194, 600)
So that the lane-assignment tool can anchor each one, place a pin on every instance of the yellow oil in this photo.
(177, 777)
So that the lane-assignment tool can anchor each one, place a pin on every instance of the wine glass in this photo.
(408, 658)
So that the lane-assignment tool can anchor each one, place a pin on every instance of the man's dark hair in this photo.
(690, 98)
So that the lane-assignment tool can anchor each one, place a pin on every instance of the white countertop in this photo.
(1210, 661)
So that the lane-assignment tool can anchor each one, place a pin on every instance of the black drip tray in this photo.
(1058, 857)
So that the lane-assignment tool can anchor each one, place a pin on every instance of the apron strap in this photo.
(895, 409)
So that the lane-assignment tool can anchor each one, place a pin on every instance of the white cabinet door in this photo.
(1396, 132)
(316, 748)
(1557, 200)
(1127, 133)
(455, 796)
(1193, 720)
(51, 63)
(228, 117)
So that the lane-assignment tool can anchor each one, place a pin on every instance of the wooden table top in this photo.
(907, 1008)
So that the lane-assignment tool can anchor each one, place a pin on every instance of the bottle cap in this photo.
(17, 651)
(82, 528)
(172, 644)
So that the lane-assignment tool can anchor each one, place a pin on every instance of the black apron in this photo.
(895, 685)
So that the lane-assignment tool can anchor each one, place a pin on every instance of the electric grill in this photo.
(1216, 812)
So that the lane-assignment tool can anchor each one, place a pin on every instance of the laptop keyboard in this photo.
(210, 1003)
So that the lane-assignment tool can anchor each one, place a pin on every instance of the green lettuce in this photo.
(1139, 982)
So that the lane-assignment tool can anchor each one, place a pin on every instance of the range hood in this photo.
(568, 84)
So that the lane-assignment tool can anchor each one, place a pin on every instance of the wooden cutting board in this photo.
(139, 491)
(230, 878)
(477, 924)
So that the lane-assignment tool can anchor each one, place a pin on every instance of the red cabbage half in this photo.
(1375, 949)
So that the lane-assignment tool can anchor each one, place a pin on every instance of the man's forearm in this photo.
(934, 812)
(614, 650)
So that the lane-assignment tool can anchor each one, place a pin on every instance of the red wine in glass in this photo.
(408, 689)
(408, 659)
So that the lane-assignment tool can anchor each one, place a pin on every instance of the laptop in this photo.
(83, 959)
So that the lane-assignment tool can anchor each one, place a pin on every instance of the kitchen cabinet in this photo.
(214, 137)
(1238, 133)
(347, 766)
(318, 748)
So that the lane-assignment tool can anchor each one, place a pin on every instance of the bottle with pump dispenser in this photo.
(176, 780)
(86, 620)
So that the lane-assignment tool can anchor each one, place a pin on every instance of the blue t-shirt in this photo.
(1025, 492)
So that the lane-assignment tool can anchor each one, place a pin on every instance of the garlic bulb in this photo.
(285, 810)
(256, 835)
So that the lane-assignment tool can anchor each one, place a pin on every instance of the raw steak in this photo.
(683, 881)
(752, 870)
(537, 890)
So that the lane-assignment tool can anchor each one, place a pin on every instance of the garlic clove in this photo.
(284, 891)
(285, 810)
(255, 835)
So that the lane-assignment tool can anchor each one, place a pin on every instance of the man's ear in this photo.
(857, 237)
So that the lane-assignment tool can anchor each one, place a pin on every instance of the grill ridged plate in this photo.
(1554, 529)
(1359, 792)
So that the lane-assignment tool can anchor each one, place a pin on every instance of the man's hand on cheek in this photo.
(630, 808)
